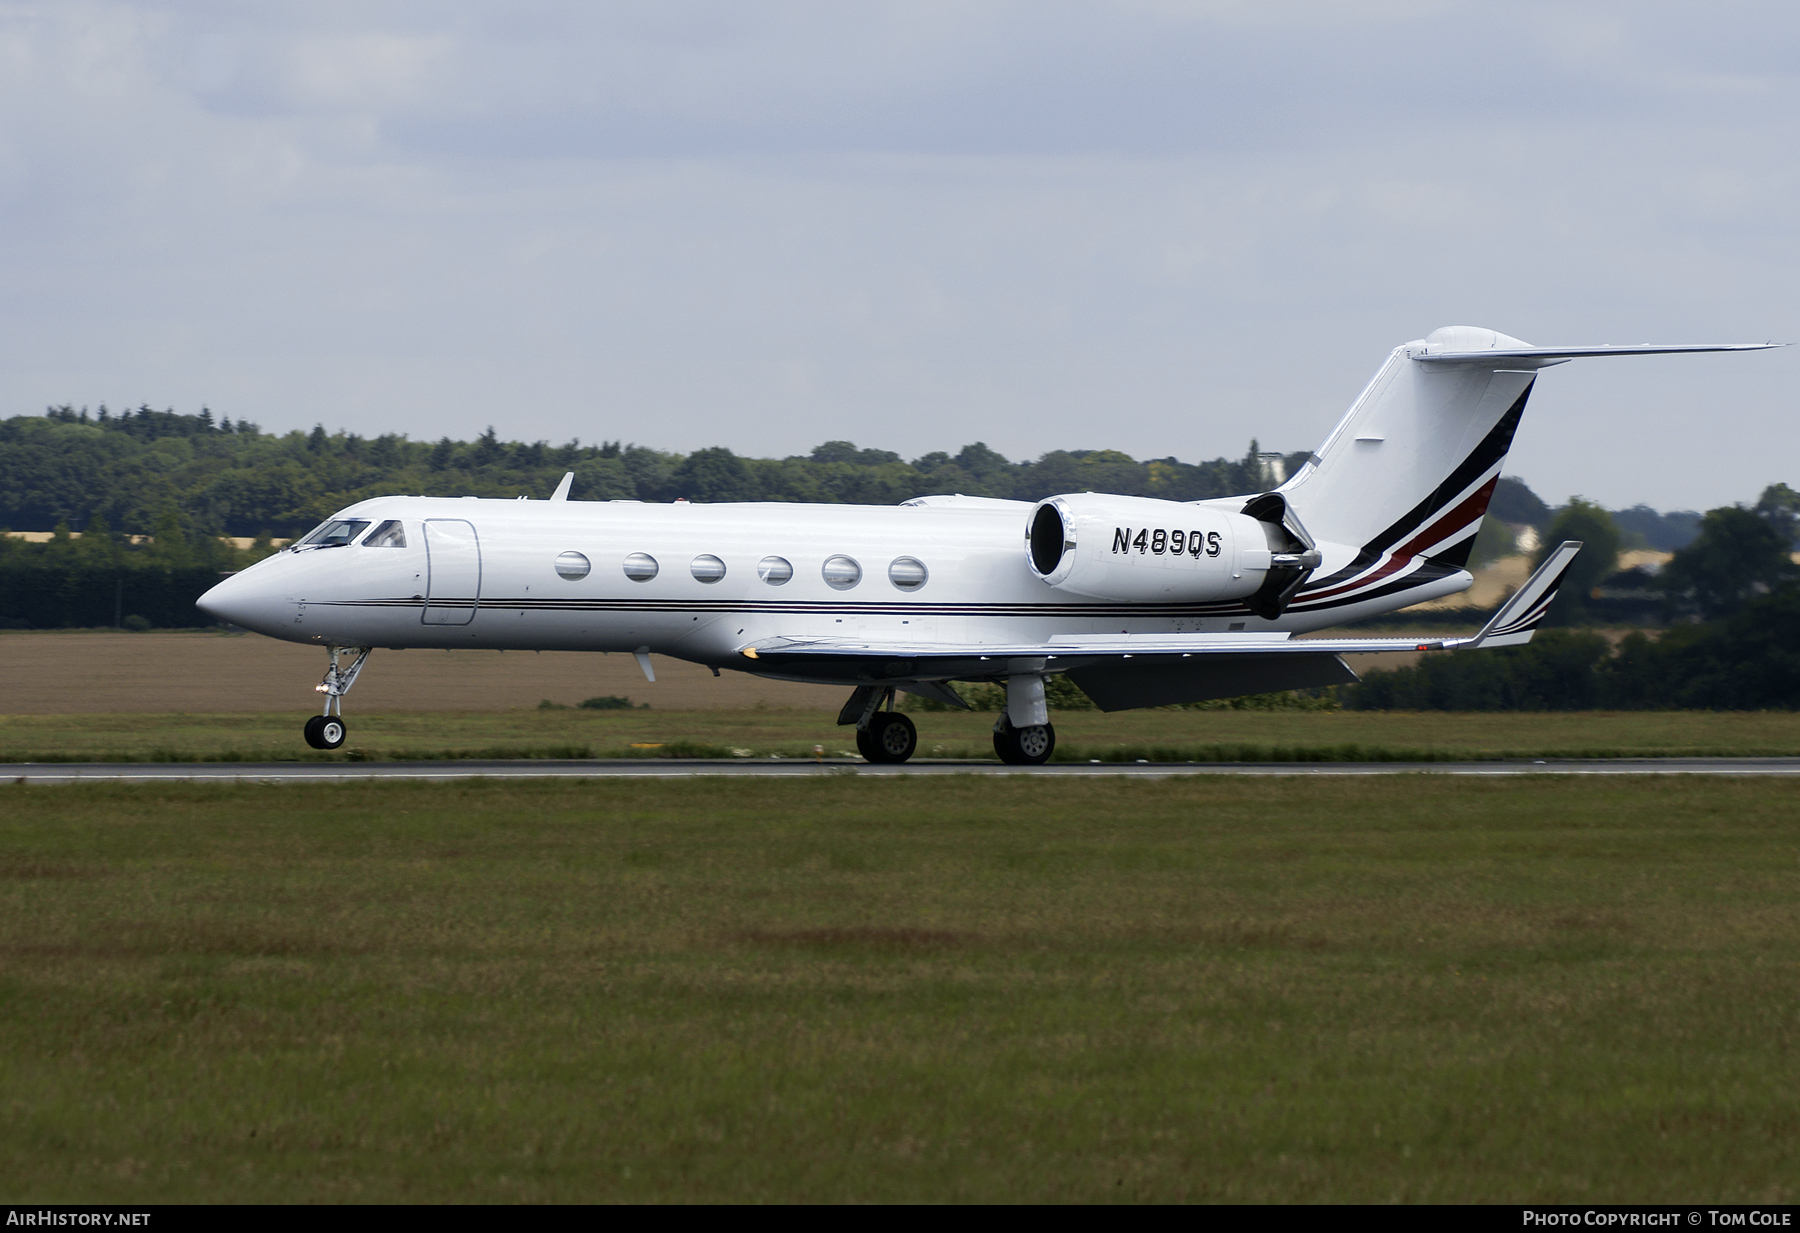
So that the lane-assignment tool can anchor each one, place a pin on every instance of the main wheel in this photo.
(325, 732)
(1025, 746)
(890, 737)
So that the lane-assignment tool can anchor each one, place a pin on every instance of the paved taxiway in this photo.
(662, 768)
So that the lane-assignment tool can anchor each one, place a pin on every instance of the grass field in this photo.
(1199, 989)
(1207, 736)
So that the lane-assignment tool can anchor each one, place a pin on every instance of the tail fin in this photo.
(1518, 617)
(1408, 472)
(1410, 469)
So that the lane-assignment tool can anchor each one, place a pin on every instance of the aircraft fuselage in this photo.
(485, 574)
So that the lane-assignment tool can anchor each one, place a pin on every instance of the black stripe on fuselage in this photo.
(1230, 608)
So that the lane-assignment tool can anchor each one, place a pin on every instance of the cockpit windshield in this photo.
(334, 534)
(389, 534)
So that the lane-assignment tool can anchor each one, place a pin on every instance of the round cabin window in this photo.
(572, 565)
(908, 573)
(841, 573)
(708, 568)
(774, 570)
(640, 567)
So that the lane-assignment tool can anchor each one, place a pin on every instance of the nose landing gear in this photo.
(327, 731)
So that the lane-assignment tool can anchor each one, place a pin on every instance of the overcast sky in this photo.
(1148, 225)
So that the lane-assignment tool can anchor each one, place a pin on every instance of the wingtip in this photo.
(1519, 616)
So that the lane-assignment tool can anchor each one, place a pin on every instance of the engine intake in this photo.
(1047, 539)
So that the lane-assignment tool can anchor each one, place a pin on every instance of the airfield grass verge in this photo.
(834, 989)
(1155, 736)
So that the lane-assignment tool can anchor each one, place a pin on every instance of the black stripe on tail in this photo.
(1492, 449)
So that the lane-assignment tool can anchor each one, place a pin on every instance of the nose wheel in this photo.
(325, 732)
(1030, 746)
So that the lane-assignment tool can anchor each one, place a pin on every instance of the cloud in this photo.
(1160, 227)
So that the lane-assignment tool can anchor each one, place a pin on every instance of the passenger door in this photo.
(453, 571)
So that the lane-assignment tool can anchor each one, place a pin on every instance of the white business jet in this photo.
(1141, 602)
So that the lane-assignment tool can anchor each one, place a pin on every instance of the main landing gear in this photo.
(890, 737)
(327, 731)
(1028, 746)
(884, 735)
(1023, 735)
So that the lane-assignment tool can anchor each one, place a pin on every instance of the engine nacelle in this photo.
(1139, 548)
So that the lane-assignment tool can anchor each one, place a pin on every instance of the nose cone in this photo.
(249, 599)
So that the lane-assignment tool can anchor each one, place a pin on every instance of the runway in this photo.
(44, 773)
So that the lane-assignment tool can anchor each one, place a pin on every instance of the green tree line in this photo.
(151, 493)
(99, 578)
(1736, 554)
(1748, 661)
(225, 478)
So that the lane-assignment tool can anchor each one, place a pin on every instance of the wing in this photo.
(1512, 625)
(1122, 672)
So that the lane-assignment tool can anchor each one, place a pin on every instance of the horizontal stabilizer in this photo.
(1559, 354)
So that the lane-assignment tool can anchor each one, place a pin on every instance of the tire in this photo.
(889, 738)
(325, 732)
(1025, 746)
